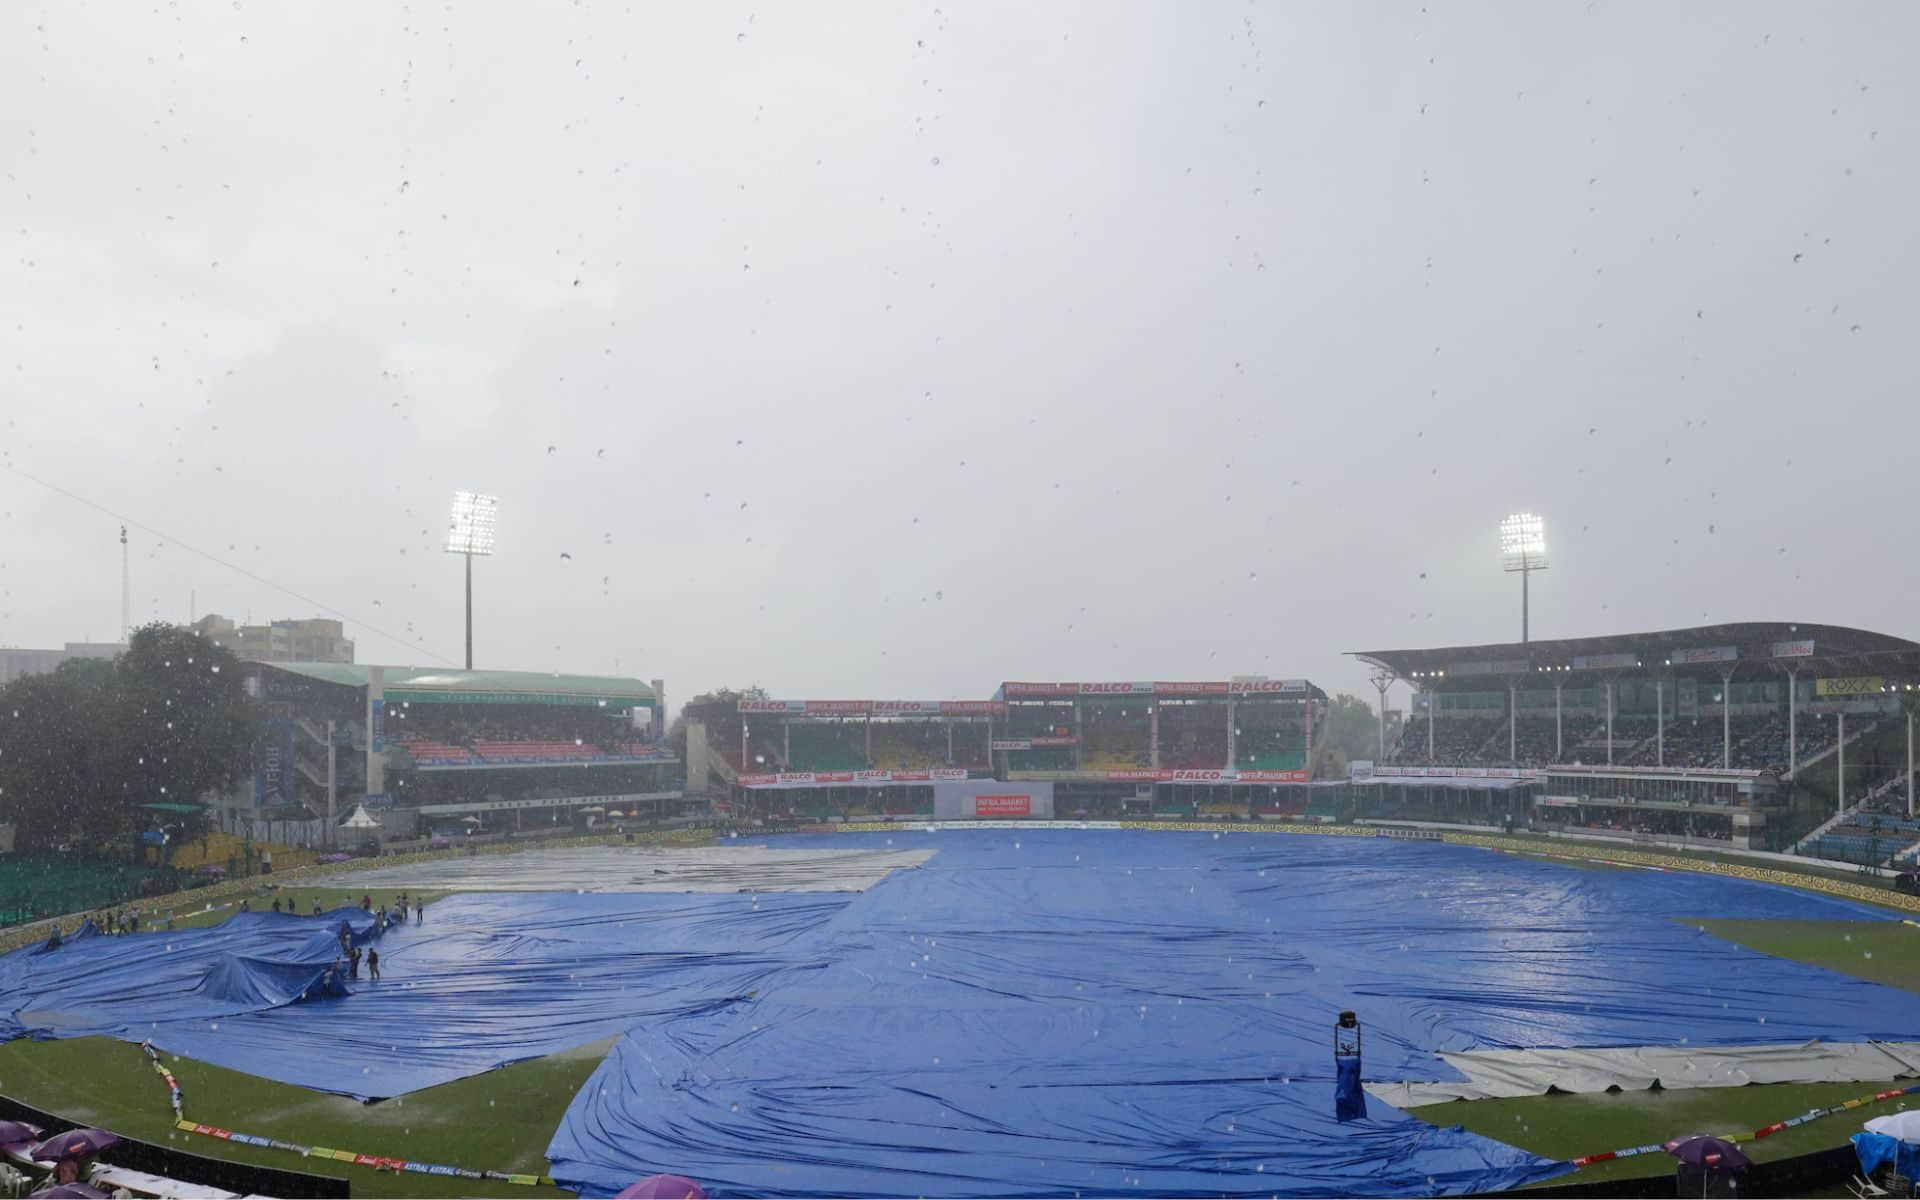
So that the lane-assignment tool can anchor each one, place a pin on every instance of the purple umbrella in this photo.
(663, 1187)
(78, 1144)
(1708, 1153)
(75, 1189)
(15, 1133)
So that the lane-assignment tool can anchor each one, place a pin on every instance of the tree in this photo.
(1349, 729)
(52, 730)
(83, 749)
(720, 709)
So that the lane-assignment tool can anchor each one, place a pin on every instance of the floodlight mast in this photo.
(1523, 543)
(470, 532)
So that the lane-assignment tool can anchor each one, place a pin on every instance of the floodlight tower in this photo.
(126, 592)
(470, 532)
(1523, 544)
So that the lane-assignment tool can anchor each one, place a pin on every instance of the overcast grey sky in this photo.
(884, 351)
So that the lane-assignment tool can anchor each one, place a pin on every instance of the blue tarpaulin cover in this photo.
(1055, 1012)
(1033, 1012)
(1876, 1150)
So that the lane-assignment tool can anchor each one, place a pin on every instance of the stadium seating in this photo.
(437, 754)
(827, 747)
(1115, 750)
(909, 746)
(1045, 758)
(1869, 835)
(1759, 742)
(518, 752)
(1193, 748)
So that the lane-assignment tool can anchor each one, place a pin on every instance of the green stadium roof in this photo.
(416, 685)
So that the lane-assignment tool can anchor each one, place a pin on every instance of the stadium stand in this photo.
(1041, 758)
(1869, 837)
(35, 886)
(1111, 749)
(826, 746)
(1759, 743)
(909, 745)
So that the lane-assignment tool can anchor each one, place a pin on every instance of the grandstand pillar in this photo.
(786, 743)
(1609, 720)
(1153, 736)
(949, 743)
(1840, 771)
(1433, 718)
(376, 773)
(333, 780)
(1559, 742)
(869, 750)
(1660, 720)
(1726, 719)
(1231, 732)
(1793, 721)
(1513, 706)
(1382, 680)
(1909, 760)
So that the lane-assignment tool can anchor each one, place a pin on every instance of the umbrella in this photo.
(75, 1189)
(1902, 1125)
(13, 1133)
(1708, 1153)
(663, 1187)
(78, 1144)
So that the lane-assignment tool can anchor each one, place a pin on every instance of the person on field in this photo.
(373, 962)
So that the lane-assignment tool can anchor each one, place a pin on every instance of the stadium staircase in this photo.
(1818, 831)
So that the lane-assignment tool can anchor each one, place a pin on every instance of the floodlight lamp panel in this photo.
(470, 523)
(1523, 534)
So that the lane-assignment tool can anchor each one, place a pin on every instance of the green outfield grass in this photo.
(301, 901)
(1569, 1126)
(1883, 951)
(500, 1121)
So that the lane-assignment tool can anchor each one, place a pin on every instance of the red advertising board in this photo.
(1014, 805)
(879, 708)
(1220, 687)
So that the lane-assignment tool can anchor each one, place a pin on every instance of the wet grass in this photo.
(1884, 951)
(501, 1120)
(1564, 1126)
(299, 900)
